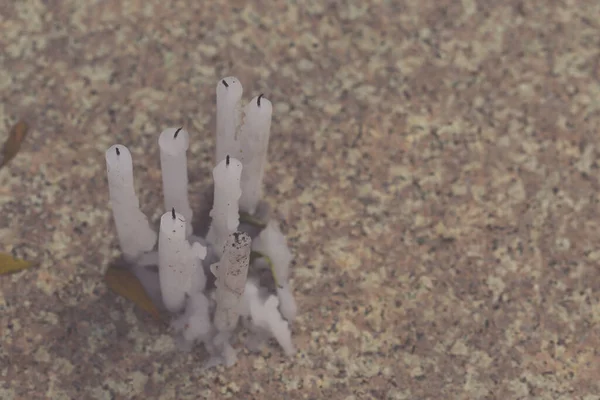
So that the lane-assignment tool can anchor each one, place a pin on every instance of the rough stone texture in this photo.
(434, 164)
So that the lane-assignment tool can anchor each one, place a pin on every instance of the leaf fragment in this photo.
(10, 265)
(252, 220)
(13, 143)
(126, 284)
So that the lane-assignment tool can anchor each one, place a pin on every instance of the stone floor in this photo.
(434, 164)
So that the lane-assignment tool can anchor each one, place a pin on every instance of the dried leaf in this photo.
(9, 264)
(13, 143)
(251, 220)
(126, 284)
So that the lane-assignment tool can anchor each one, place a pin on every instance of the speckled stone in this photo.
(433, 162)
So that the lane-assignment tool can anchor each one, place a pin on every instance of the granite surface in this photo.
(434, 163)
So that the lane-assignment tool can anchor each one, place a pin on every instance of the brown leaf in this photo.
(9, 264)
(126, 284)
(252, 220)
(13, 143)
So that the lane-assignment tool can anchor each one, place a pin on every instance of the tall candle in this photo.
(173, 144)
(231, 273)
(225, 211)
(179, 263)
(229, 118)
(254, 140)
(133, 229)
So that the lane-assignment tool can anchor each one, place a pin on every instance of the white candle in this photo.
(179, 263)
(225, 211)
(231, 272)
(133, 229)
(254, 141)
(173, 144)
(229, 118)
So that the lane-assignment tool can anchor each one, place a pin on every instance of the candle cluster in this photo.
(237, 251)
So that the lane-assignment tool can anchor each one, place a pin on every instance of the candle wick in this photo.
(258, 100)
(173, 212)
(118, 152)
(227, 160)
(225, 83)
(177, 133)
